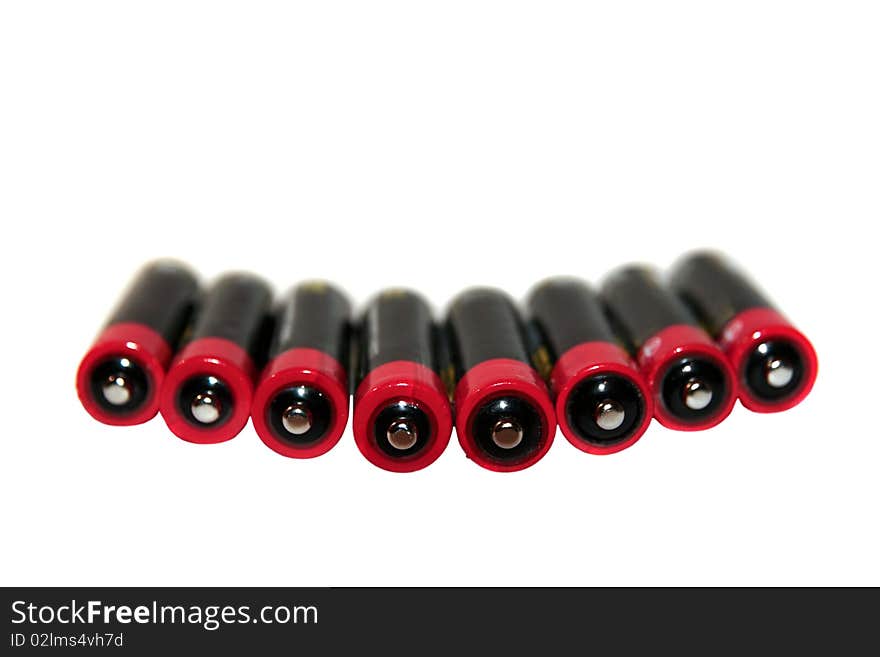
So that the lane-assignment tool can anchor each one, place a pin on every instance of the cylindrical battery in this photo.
(689, 376)
(119, 379)
(504, 416)
(775, 364)
(602, 402)
(301, 402)
(402, 418)
(206, 397)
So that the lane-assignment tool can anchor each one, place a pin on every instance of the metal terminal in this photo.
(778, 373)
(507, 433)
(402, 434)
(117, 390)
(297, 419)
(697, 395)
(206, 408)
(609, 415)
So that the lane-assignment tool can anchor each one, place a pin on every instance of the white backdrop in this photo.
(437, 147)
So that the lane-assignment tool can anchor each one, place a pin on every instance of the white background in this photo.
(437, 145)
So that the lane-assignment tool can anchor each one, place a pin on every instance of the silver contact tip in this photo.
(609, 415)
(697, 395)
(507, 433)
(778, 373)
(205, 408)
(402, 434)
(297, 419)
(116, 390)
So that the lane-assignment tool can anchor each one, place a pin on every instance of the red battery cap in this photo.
(149, 353)
(500, 379)
(417, 390)
(316, 371)
(597, 359)
(225, 372)
(743, 335)
(677, 344)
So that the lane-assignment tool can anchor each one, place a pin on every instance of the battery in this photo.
(119, 379)
(504, 416)
(206, 397)
(300, 404)
(689, 376)
(402, 417)
(775, 363)
(603, 404)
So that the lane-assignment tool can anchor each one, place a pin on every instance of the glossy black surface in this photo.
(714, 290)
(310, 399)
(135, 377)
(162, 296)
(397, 325)
(483, 324)
(313, 315)
(585, 397)
(402, 411)
(640, 306)
(756, 369)
(197, 385)
(676, 377)
(507, 408)
(236, 308)
(568, 312)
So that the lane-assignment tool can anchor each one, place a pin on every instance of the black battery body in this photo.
(162, 297)
(313, 315)
(398, 325)
(235, 309)
(568, 312)
(641, 306)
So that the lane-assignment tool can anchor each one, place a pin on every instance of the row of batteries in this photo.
(600, 363)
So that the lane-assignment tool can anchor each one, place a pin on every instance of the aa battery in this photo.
(689, 376)
(603, 404)
(300, 405)
(120, 377)
(504, 416)
(402, 417)
(207, 394)
(775, 364)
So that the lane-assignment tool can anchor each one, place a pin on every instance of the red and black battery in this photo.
(603, 404)
(402, 416)
(119, 379)
(775, 364)
(692, 383)
(300, 405)
(503, 414)
(207, 393)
